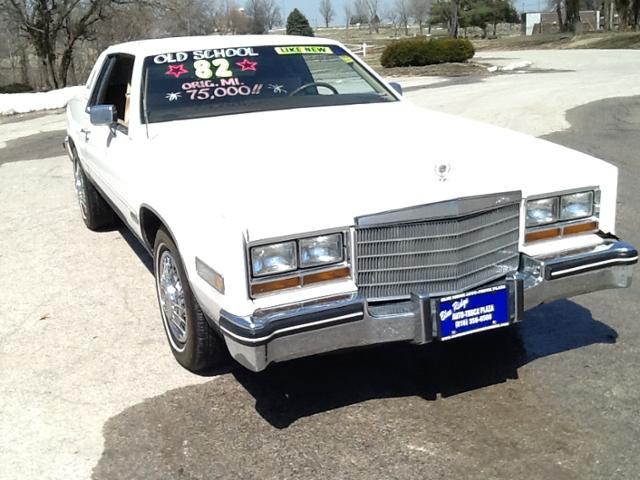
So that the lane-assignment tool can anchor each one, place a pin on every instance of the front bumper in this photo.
(348, 321)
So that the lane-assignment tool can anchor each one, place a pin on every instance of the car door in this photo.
(103, 141)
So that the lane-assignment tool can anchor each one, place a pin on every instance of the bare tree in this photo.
(401, 7)
(327, 12)
(231, 18)
(263, 15)
(55, 27)
(127, 23)
(347, 8)
(14, 46)
(360, 12)
(419, 11)
(273, 15)
(573, 15)
(608, 14)
(391, 14)
(372, 13)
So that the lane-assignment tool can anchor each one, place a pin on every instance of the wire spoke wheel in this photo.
(193, 342)
(81, 191)
(172, 298)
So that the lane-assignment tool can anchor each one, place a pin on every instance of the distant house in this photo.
(534, 23)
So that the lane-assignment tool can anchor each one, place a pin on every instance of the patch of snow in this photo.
(510, 67)
(516, 66)
(11, 103)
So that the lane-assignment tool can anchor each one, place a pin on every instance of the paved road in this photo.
(536, 102)
(88, 387)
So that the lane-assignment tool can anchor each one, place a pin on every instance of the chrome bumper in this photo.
(348, 321)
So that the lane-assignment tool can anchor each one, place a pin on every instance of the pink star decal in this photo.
(247, 64)
(176, 70)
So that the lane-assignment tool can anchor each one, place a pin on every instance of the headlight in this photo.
(275, 258)
(541, 212)
(576, 205)
(321, 250)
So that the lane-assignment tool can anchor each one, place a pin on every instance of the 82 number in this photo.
(203, 69)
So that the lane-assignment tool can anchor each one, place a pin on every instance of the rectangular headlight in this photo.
(542, 212)
(576, 205)
(274, 258)
(321, 250)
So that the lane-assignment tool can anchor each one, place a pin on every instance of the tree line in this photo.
(619, 15)
(59, 32)
(65, 35)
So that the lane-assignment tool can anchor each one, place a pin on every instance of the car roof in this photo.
(179, 44)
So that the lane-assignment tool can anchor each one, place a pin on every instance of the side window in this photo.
(114, 86)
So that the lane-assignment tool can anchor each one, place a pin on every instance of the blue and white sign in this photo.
(472, 312)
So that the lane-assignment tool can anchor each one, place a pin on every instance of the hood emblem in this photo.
(442, 170)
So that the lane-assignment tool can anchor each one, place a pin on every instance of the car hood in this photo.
(294, 171)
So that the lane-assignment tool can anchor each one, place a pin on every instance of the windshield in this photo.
(205, 83)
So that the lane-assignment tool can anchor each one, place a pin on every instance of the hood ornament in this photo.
(442, 170)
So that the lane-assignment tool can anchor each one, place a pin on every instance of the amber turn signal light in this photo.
(581, 228)
(557, 231)
(273, 285)
(266, 287)
(325, 276)
(542, 235)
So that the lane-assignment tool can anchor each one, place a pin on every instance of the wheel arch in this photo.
(150, 223)
(72, 151)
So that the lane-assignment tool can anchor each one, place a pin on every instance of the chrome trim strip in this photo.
(433, 211)
(436, 265)
(440, 250)
(485, 267)
(457, 234)
(290, 329)
(597, 264)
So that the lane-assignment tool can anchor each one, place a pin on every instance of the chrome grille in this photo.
(438, 256)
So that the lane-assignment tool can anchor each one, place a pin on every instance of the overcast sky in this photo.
(310, 8)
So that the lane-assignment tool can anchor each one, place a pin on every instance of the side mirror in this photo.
(103, 115)
(396, 86)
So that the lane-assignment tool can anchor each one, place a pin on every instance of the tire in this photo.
(194, 344)
(96, 212)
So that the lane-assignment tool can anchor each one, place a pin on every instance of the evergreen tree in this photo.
(297, 24)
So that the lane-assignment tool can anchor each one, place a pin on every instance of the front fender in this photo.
(217, 242)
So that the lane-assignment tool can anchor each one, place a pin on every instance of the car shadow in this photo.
(232, 426)
(136, 246)
(289, 391)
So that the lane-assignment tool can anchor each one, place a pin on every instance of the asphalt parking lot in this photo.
(89, 389)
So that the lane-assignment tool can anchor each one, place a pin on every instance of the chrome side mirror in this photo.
(103, 115)
(396, 86)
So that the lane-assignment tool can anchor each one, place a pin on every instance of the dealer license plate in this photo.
(473, 312)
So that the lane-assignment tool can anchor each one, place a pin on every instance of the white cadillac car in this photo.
(295, 204)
